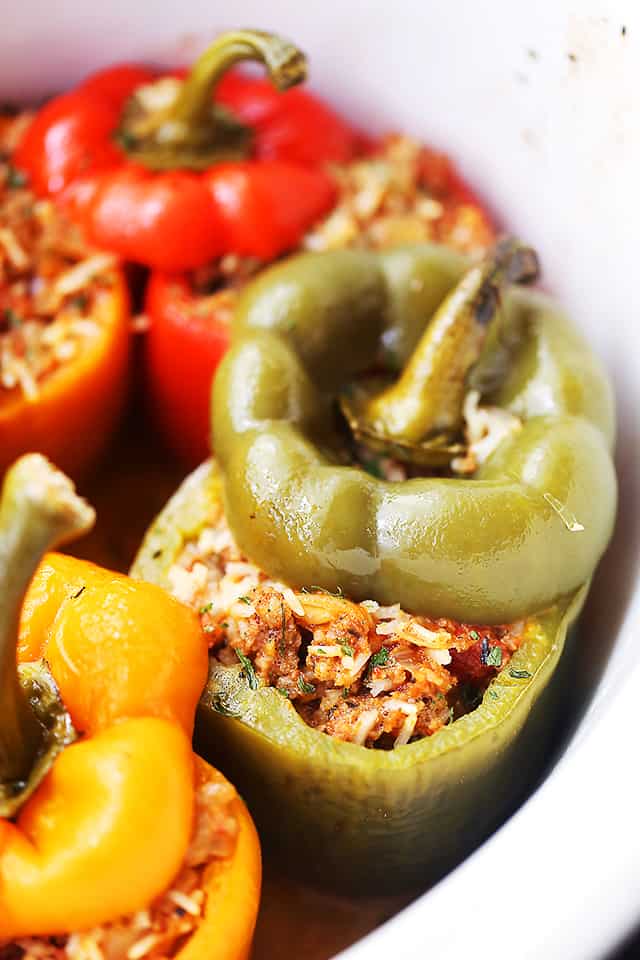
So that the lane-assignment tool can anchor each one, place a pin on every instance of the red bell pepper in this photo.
(158, 173)
(185, 342)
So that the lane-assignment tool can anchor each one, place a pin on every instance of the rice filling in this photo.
(377, 676)
(49, 279)
(164, 927)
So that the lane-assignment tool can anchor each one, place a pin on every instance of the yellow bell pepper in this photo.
(106, 829)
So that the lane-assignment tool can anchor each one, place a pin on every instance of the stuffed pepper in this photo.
(192, 170)
(387, 564)
(400, 192)
(64, 334)
(171, 170)
(206, 176)
(115, 841)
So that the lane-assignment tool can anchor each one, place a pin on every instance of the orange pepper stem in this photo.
(39, 509)
(194, 133)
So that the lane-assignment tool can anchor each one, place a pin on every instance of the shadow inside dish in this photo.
(608, 599)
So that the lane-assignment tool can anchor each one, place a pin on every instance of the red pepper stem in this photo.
(286, 66)
(39, 510)
(192, 132)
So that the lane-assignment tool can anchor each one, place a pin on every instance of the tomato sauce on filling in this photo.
(369, 674)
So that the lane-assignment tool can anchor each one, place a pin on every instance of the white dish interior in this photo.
(540, 105)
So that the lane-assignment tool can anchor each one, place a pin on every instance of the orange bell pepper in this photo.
(79, 403)
(106, 829)
(233, 892)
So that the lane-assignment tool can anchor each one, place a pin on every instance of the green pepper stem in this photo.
(39, 510)
(192, 132)
(428, 397)
(285, 64)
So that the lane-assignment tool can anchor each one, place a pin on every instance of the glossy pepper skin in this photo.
(183, 347)
(107, 828)
(369, 820)
(527, 529)
(80, 403)
(189, 332)
(189, 182)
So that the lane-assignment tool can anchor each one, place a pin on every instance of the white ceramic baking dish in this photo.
(541, 105)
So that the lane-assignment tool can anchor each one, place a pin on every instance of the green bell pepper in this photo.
(526, 530)
(360, 820)
(522, 536)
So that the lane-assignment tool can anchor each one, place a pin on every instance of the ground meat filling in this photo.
(49, 280)
(373, 675)
(162, 929)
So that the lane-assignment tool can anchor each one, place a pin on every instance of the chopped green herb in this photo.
(519, 674)
(12, 318)
(247, 670)
(220, 706)
(282, 692)
(206, 609)
(78, 593)
(15, 178)
(373, 468)
(474, 634)
(209, 628)
(156, 554)
(125, 139)
(245, 600)
(80, 301)
(305, 687)
(451, 717)
(321, 651)
(493, 694)
(379, 659)
(390, 359)
(494, 657)
(345, 692)
(347, 649)
(316, 589)
(224, 625)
